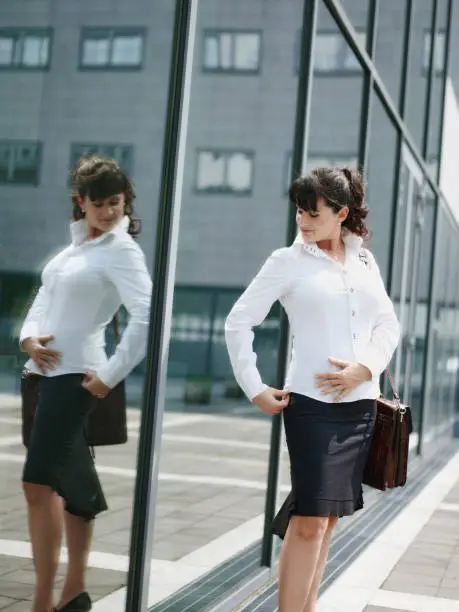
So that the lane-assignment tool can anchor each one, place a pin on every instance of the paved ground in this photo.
(426, 579)
(212, 479)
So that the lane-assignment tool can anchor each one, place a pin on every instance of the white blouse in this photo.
(82, 288)
(334, 310)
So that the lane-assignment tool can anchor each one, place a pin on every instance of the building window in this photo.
(20, 162)
(439, 52)
(319, 160)
(25, 48)
(122, 154)
(225, 171)
(332, 54)
(117, 48)
(233, 52)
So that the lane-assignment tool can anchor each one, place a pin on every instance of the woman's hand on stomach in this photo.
(341, 383)
(43, 357)
(272, 401)
(94, 385)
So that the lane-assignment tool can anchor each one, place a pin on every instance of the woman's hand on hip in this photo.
(342, 383)
(272, 401)
(43, 357)
(94, 385)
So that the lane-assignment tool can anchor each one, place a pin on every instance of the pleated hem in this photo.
(316, 507)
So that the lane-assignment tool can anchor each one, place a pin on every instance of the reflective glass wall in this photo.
(75, 77)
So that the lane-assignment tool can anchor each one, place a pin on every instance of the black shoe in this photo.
(80, 603)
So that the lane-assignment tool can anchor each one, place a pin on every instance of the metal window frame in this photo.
(164, 268)
(425, 68)
(111, 33)
(13, 145)
(223, 190)
(216, 33)
(17, 35)
(367, 88)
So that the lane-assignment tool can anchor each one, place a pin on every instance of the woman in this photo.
(344, 334)
(64, 335)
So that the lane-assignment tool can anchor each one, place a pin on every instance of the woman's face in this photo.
(103, 215)
(324, 224)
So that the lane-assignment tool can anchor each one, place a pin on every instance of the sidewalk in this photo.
(412, 566)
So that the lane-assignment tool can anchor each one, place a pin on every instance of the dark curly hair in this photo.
(339, 187)
(99, 178)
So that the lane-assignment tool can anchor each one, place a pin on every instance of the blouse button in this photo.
(351, 289)
(353, 313)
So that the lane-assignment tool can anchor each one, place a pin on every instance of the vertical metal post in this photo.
(367, 88)
(426, 374)
(402, 104)
(166, 246)
(430, 81)
(303, 107)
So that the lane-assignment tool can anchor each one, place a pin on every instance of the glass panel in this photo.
(441, 375)
(226, 51)
(247, 51)
(26, 164)
(335, 110)
(96, 52)
(211, 54)
(127, 50)
(417, 76)
(6, 50)
(380, 185)
(52, 113)
(389, 45)
(357, 13)
(35, 51)
(211, 170)
(215, 442)
(435, 126)
(333, 54)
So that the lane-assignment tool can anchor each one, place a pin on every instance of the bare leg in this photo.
(314, 590)
(299, 559)
(45, 527)
(79, 537)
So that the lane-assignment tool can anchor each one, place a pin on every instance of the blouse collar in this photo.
(79, 231)
(352, 241)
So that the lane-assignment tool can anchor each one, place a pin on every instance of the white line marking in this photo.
(449, 507)
(357, 586)
(219, 481)
(15, 548)
(10, 420)
(10, 440)
(414, 603)
(215, 442)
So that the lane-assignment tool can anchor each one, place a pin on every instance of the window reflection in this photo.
(224, 171)
(24, 48)
(232, 51)
(104, 48)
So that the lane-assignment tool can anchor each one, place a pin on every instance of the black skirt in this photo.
(58, 455)
(328, 445)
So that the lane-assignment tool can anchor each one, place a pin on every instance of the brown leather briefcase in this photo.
(387, 462)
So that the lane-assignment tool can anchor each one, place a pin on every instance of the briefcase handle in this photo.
(392, 385)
